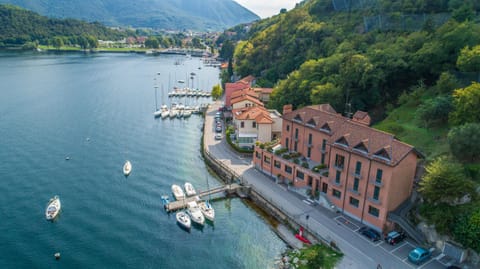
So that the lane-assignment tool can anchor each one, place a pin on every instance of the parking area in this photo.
(398, 251)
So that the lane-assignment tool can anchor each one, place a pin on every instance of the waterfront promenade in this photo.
(325, 224)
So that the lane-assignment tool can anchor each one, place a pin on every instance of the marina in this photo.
(98, 112)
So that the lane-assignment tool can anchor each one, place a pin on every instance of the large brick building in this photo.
(365, 173)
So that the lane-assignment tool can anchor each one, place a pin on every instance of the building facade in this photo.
(362, 172)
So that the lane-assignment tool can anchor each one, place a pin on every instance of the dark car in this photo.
(394, 237)
(370, 233)
(218, 129)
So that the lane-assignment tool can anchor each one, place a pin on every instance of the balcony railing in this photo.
(339, 168)
(374, 201)
(356, 192)
(376, 182)
(356, 174)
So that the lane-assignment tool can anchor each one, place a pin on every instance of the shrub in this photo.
(305, 165)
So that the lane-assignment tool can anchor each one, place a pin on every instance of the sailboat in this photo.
(157, 112)
(164, 108)
(183, 219)
(206, 207)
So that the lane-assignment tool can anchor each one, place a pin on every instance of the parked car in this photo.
(370, 233)
(394, 237)
(218, 129)
(418, 255)
(218, 136)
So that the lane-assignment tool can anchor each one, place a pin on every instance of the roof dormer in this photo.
(383, 154)
(362, 147)
(326, 128)
(342, 141)
(311, 123)
(298, 118)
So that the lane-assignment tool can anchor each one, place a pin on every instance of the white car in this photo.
(218, 136)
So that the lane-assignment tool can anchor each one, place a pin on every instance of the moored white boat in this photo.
(53, 208)
(178, 192)
(183, 219)
(207, 210)
(127, 168)
(195, 213)
(189, 190)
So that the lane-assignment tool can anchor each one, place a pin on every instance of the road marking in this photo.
(307, 202)
(395, 249)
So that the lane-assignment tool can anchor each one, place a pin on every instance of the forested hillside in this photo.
(414, 65)
(157, 14)
(19, 27)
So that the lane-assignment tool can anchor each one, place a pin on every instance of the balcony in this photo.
(351, 190)
(374, 201)
(335, 183)
(376, 182)
(356, 175)
(338, 167)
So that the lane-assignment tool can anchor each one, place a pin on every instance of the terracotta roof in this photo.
(246, 98)
(351, 136)
(263, 90)
(259, 114)
(236, 86)
(248, 79)
(241, 92)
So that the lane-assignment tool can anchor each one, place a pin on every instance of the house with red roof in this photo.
(255, 123)
(358, 170)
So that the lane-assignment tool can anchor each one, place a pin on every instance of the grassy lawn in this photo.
(316, 256)
(401, 122)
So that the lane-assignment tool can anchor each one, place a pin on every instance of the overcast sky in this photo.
(267, 8)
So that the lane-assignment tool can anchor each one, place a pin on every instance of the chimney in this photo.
(287, 109)
(362, 118)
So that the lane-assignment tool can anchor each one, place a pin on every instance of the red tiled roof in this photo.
(259, 114)
(248, 79)
(244, 98)
(263, 90)
(246, 91)
(377, 143)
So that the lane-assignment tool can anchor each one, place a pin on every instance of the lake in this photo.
(97, 110)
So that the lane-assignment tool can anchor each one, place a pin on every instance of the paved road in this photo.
(359, 252)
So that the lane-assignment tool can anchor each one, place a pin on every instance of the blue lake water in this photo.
(98, 110)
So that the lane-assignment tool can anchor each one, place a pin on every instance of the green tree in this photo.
(466, 102)
(327, 93)
(152, 42)
(446, 83)
(217, 91)
(57, 42)
(227, 50)
(445, 181)
(435, 111)
(467, 230)
(82, 41)
(92, 42)
(464, 142)
(469, 60)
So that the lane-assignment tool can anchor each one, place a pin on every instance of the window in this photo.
(336, 193)
(324, 144)
(254, 125)
(309, 152)
(322, 161)
(358, 168)
(295, 146)
(276, 164)
(257, 154)
(355, 184)
(339, 161)
(288, 169)
(354, 202)
(286, 143)
(242, 124)
(300, 175)
(373, 211)
(296, 133)
(378, 178)
(376, 193)
(266, 159)
(310, 138)
(288, 128)
(337, 177)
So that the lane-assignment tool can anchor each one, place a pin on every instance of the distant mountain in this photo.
(159, 14)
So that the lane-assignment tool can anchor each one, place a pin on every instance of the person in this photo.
(379, 266)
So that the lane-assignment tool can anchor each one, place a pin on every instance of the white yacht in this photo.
(195, 213)
(53, 208)
(183, 219)
(127, 168)
(178, 192)
(207, 210)
(189, 189)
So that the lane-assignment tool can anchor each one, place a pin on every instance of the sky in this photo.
(267, 8)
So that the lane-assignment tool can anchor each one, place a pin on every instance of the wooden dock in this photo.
(179, 204)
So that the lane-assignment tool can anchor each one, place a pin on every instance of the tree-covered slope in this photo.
(159, 14)
(19, 26)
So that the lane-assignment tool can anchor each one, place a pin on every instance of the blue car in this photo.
(419, 255)
(370, 233)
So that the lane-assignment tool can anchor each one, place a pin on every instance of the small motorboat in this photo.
(127, 168)
(183, 219)
(195, 213)
(53, 208)
(165, 200)
(207, 210)
(178, 192)
(189, 189)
